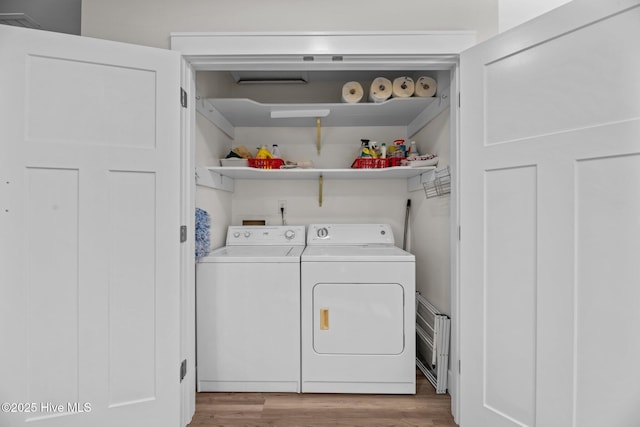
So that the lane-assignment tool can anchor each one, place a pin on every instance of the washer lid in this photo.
(366, 253)
(247, 254)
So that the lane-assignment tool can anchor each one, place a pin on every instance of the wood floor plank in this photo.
(424, 409)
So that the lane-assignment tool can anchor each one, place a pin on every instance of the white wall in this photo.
(514, 12)
(343, 201)
(430, 222)
(217, 203)
(149, 22)
(211, 145)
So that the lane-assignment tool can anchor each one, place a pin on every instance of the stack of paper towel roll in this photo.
(382, 89)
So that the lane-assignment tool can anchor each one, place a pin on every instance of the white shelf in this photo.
(222, 177)
(382, 173)
(413, 113)
(394, 112)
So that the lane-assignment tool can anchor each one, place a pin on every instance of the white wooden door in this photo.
(90, 253)
(550, 208)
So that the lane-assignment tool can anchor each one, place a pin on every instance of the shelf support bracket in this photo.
(319, 134)
(206, 178)
(320, 191)
(205, 108)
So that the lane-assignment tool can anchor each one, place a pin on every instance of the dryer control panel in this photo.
(256, 235)
(350, 234)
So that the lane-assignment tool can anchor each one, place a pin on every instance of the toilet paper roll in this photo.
(352, 92)
(403, 87)
(380, 90)
(425, 87)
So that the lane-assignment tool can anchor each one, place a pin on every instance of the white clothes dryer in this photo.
(248, 311)
(357, 311)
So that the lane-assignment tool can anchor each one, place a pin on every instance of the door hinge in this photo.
(459, 233)
(183, 233)
(183, 98)
(183, 369)
(459, 368)
(458, 99)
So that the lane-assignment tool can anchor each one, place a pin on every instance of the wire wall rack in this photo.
(439, 185)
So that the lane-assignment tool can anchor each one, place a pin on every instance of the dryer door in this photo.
(358, 318)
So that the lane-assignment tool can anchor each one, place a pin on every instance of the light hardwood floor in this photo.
(311, 410)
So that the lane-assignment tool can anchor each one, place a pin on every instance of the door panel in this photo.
(132, 286)
(110, 103)
(90, 199)
(549, 208)
(52, 209)
(510, 227)
(606, 329)
(540, 90)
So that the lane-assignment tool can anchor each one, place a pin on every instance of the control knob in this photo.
(289, 234)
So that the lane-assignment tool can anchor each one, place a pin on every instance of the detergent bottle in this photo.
(365, 150)
(263, 153)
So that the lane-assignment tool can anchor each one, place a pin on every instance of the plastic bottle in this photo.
(365, 151)
(401, 149)
(383, 151)
(263, 153)
(413, 151)
(275, 152)
(375, 149)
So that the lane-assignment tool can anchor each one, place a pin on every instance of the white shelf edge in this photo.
(209, 178)
(233, 112)
(262, 174)
(431, 110)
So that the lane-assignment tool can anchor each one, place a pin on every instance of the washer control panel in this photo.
(257, 235)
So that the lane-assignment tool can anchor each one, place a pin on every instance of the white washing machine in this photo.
(358, 311)
(248, 311)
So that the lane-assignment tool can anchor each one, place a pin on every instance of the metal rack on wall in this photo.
(439, 185)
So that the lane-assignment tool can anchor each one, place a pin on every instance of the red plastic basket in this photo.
(395, 161)
(369, 163)
(266, 163)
